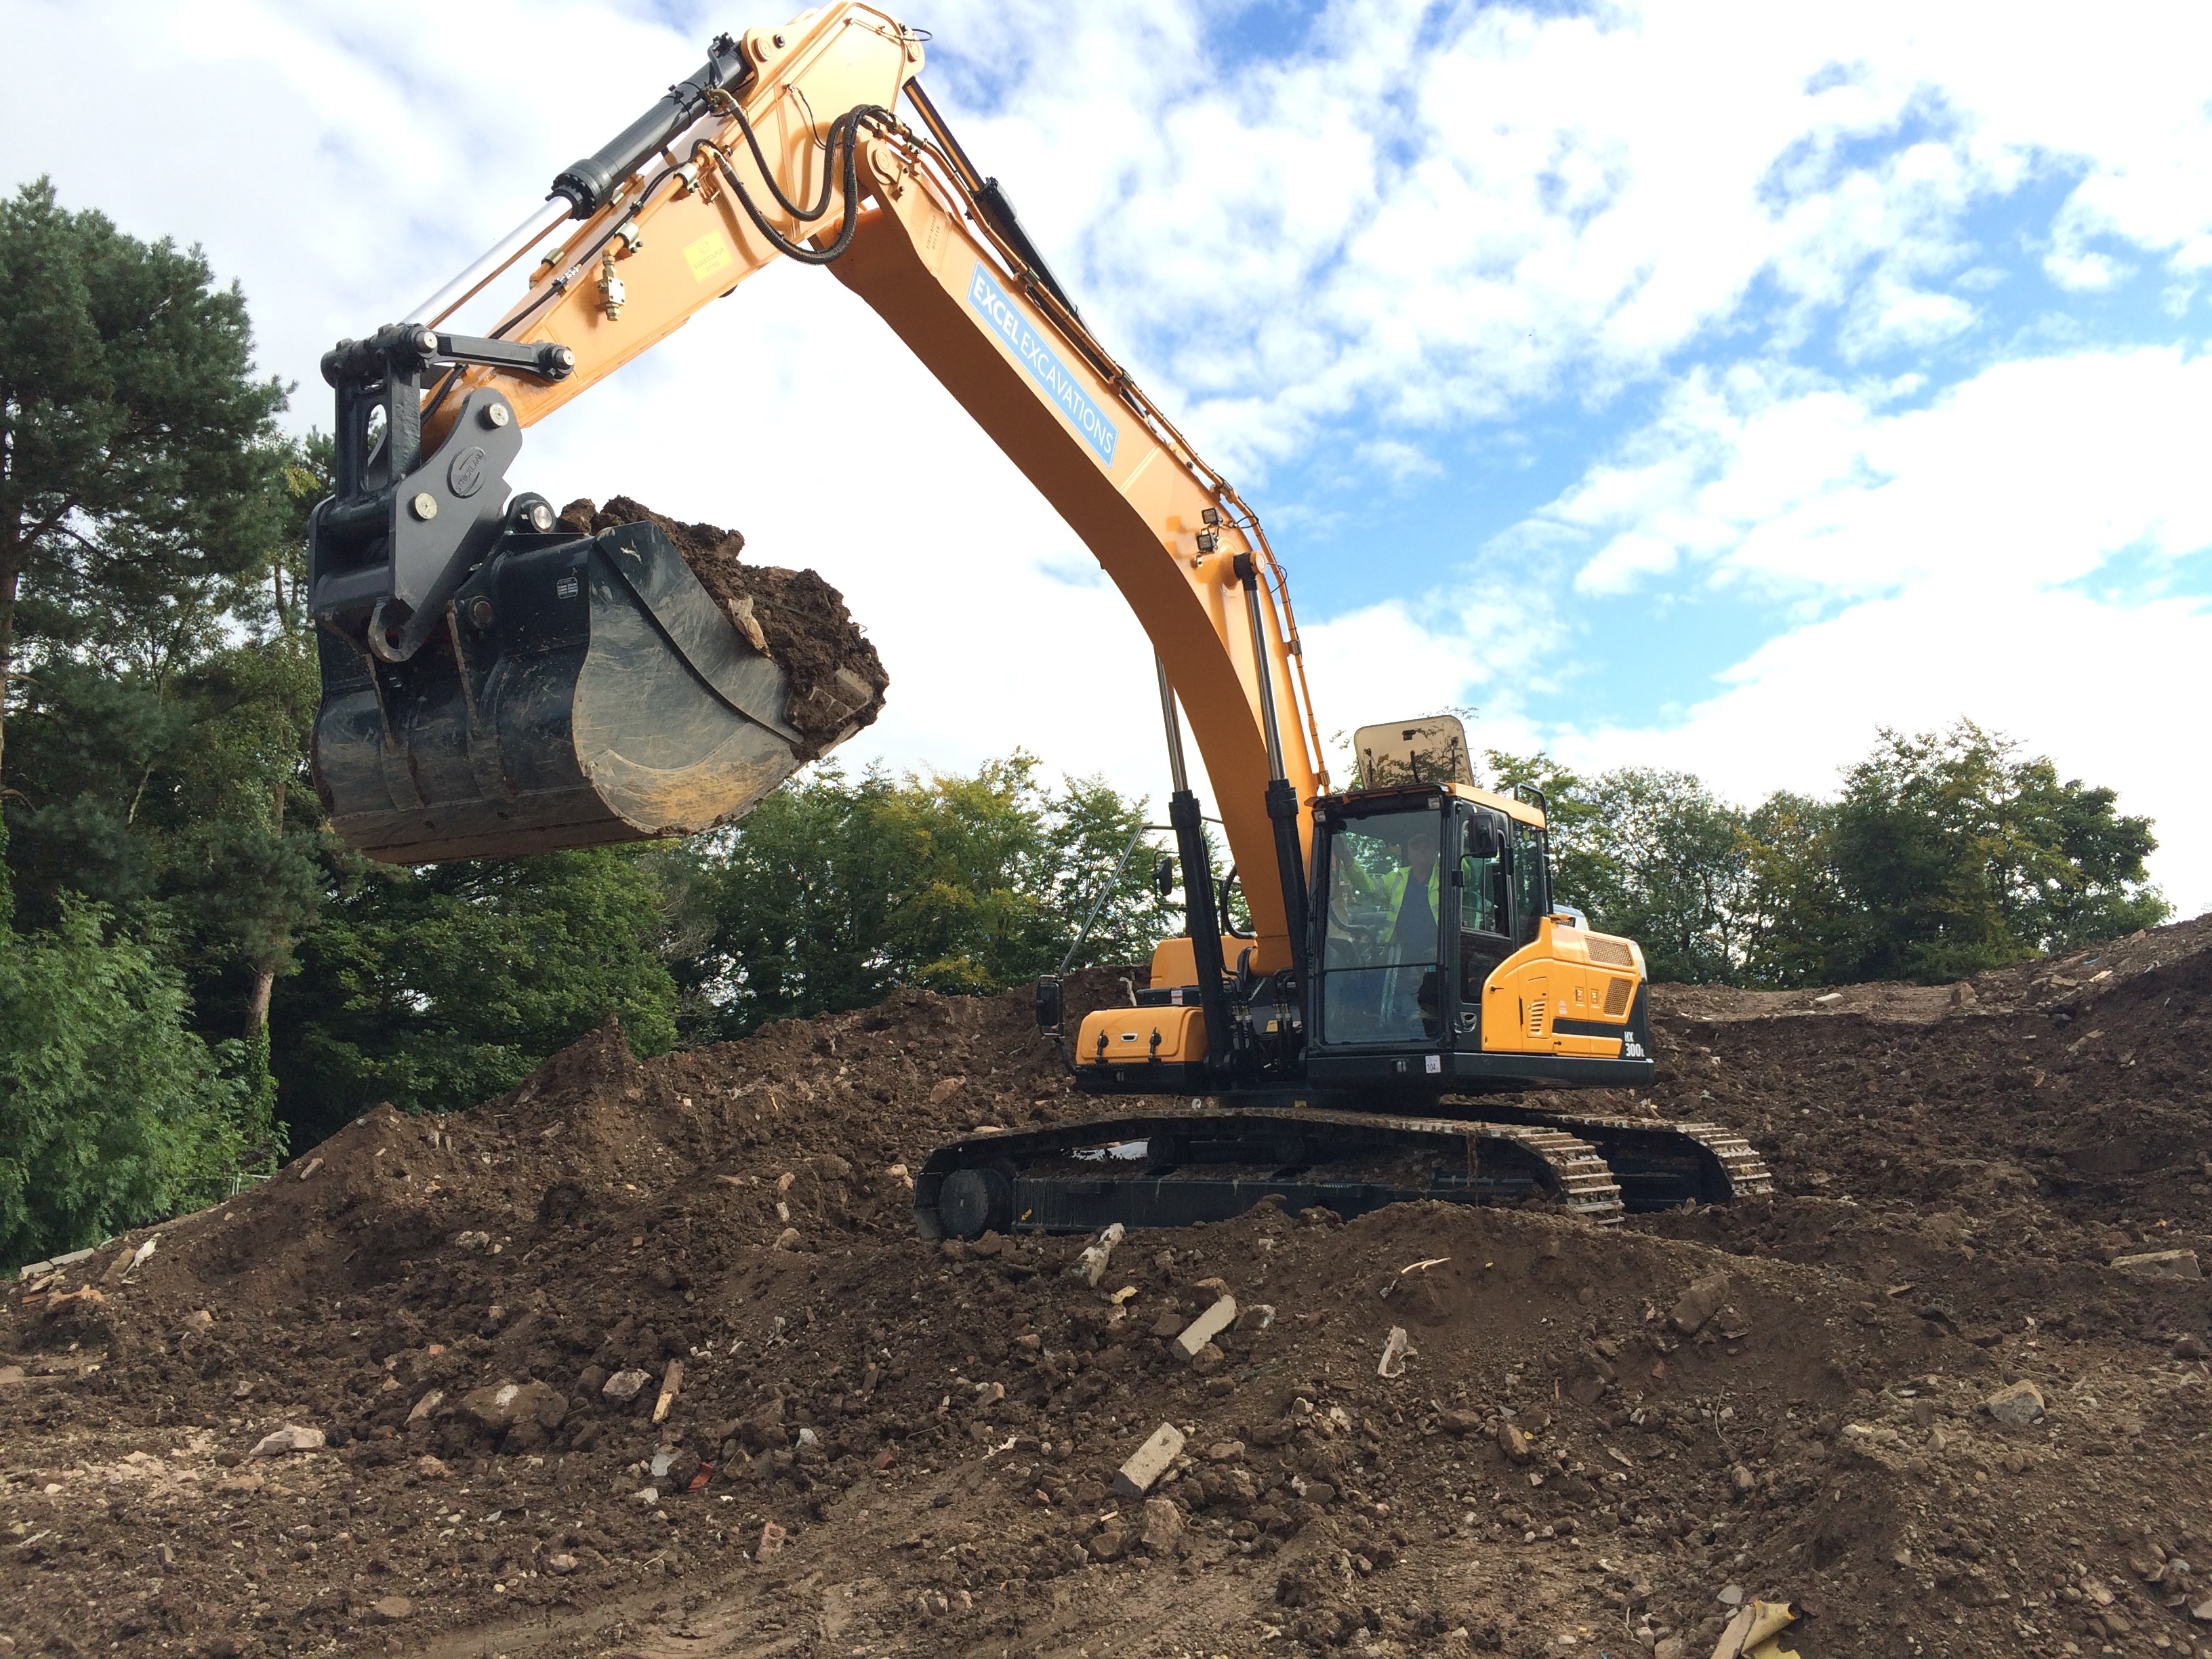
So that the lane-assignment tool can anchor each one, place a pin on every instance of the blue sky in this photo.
(1705, 385)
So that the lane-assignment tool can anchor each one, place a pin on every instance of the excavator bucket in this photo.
(586, 689)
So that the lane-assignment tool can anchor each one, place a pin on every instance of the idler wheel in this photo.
(974, 1201)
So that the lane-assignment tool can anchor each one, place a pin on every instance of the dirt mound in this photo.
(644, 1358)
(837, 680)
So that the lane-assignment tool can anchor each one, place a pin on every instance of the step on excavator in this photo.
(495, 682)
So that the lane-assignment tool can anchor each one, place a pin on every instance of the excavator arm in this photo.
(786, 145)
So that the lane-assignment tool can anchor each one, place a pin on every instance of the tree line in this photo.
(196, 976)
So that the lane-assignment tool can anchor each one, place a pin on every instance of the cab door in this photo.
(1486, 918)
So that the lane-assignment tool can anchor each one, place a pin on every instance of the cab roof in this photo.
(1519, 810)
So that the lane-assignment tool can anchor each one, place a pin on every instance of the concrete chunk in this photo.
(1207, 1325)
(1700, 1304)
(2160, 1264)
(1149, 1462)
(2016, 1405)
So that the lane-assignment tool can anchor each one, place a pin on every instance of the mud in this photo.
(877, 1446)
(837, 679)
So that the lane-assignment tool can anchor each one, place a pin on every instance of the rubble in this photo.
(2017, 1406)
(2179, 1265)
(1202, 1330)
(1149, 1462)
(941, 1431)
(289, 1438)
(836, 679)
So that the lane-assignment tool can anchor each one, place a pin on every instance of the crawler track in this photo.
(1658, 1164)
(1162, 1172)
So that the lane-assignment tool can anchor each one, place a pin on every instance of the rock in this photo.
(1828, 1000)
(1208, 1360)
(2016, 1405)
(499, 1407)
(944, 1089)
(1743, 1479)
(1700, 1304)
(1962, 995)
(787, 1240)
(1162, 1525)
(199, 1320)
(428, 1403)
(431, 1469)
(1208, 1325)
(2178, 1265)
(1107, 1546)
(389, 1609)
(671, 1384)
(1091, 1266)
(288, 1440)
(1149, 1462)
(1320, 1493)
(1513, 1443)
(561, 1565)
(1225, 1451)
(772, 1537)
(646, 1496)
(624, 1385)
(2190, 1347)
(2202, 1612)
(1456, 1423)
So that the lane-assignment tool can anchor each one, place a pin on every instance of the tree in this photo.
(111, 1111)
(133, 437)
(1670, 868)
(833, 890)
(435, 988)
(1582, 874)
(1947, 854)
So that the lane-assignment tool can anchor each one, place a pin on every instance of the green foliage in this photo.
(438, 988)
(1944, 855)
(1947, 854)
(834, 890)
(131, 426)
(1580, 867)
(112, 1112)
(1670, 867)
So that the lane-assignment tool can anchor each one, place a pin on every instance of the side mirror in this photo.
(1163, 876)
(1048, 1009)
(1482, 839)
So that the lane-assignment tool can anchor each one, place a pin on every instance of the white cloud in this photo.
(1958, 561)
(1427, 215)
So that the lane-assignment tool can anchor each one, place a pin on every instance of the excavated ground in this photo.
(876, 1446)
(837, 679)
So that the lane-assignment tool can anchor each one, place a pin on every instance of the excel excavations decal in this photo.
(997, 307)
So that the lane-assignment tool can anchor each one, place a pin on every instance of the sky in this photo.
(1699, 385)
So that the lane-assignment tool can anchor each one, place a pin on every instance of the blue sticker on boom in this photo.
(997, 307)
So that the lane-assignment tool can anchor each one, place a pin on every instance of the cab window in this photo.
(1481, 879)
(1527, 880)
(1385, 891)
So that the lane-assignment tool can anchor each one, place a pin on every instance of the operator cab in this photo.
(1421, 894)
(1442, 961)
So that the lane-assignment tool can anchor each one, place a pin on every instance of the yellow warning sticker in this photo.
(710, 254)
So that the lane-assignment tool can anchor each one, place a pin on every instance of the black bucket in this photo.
(584, 690)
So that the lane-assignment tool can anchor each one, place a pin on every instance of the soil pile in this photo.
(644, 1359)
(800, 621)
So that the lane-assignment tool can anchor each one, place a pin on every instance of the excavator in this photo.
(498, 682)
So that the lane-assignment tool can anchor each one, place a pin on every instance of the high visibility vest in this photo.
(1394, 890)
